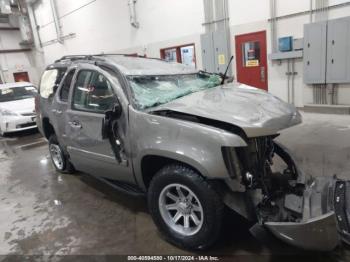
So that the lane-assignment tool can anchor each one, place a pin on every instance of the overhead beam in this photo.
(9, 28)
(7, 51)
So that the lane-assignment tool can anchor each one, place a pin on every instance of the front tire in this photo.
(185, 208)
(59, 159)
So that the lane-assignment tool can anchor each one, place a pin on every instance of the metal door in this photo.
(252, 59)
(21, 77)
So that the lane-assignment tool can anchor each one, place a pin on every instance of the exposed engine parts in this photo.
(260, 163)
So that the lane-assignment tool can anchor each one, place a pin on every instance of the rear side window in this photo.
(49, 80)
(64, 93)
(93, 92)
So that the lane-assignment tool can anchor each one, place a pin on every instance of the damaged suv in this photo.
(191, 144)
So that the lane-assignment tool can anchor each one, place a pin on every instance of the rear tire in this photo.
(59, 159)
(185, 208)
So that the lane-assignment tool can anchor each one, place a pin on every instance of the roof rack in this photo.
(91, 57)
(74, 57)
(131, 55)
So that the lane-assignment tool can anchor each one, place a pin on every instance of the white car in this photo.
(17, 109)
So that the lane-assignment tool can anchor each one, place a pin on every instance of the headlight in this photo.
(5, 112)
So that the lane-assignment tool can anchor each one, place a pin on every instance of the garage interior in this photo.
(298, 51)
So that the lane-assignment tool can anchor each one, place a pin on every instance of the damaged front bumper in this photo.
(325, 216)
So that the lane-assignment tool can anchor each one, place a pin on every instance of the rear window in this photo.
(49, 80)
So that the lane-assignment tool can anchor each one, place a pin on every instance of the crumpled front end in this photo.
(310, 213)
(255, 111)
(323, 216)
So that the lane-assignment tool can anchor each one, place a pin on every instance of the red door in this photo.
(21, 77)
(252, 59)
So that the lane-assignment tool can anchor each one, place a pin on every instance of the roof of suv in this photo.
(135, 66)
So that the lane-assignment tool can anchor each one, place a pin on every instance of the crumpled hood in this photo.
(19, 106)
(257, 112)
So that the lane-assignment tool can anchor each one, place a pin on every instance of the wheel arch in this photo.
(48, 128)
(150, 164)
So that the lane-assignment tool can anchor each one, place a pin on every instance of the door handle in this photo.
(75, 124)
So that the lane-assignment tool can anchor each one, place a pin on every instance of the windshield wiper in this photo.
(228, 66)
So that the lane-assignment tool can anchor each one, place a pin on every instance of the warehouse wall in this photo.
(294, 27)
(257, 20)
(16, 62)
(103, 26)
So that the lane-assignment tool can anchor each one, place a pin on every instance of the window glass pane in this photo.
(49, 80)
(81, 89)
(93, 92)
(188, 56)
(170, 55)
(251, 54)
(66, 86)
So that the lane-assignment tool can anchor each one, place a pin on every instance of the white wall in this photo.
(248, 11)
(103, 26)
(245, 20)
(16, 62)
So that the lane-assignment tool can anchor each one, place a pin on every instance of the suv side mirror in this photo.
(110, 115)
(117, 111)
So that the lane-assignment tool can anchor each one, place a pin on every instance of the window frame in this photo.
(62, 82)
(178, 52)
(245, 54)
(73, 108)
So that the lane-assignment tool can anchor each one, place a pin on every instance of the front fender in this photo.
(197, 145)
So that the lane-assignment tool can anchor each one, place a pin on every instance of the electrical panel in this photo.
(338, 51)
(315, 52)
(285, 44)
(207, 44)
(298, 44)
(327, 52)
(221, 51)
(215, 52)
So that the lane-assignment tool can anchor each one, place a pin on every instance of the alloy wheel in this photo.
(56, 155)
(181, 209)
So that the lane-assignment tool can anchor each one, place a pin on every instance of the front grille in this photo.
(26, 125)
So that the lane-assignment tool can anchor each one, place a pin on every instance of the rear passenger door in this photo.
(60, 107)
(93, 94)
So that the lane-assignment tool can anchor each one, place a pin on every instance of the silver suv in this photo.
(192, 144)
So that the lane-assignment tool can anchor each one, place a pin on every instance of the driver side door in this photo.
(91, 97)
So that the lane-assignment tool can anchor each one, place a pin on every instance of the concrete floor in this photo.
(45, 213)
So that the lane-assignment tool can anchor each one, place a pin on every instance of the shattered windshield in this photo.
(150, 91)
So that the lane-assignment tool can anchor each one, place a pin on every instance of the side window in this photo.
(93, 92)
(66, 86)
(49, 80)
